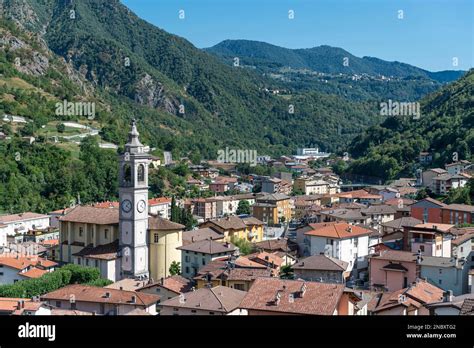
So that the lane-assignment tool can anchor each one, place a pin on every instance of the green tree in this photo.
(245, 247)
(243, 207)
(175, 211)
(175, 268)
(60, 127)
(286, 272)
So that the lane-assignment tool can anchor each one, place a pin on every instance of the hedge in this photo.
(69, 274)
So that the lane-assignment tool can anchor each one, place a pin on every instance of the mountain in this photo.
(445, 127)
(324, 59)
(188, 99)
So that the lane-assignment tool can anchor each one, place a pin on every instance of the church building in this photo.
(117, 240)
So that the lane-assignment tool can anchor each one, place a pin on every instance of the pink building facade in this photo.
(393, 270)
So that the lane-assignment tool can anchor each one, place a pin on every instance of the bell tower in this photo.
(133, 196)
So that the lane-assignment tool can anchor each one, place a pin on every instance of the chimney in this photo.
(162, 281)
(303, 290)
(121, 288)
(277, 298)
(448, 296)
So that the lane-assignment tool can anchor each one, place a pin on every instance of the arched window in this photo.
(141, 173)
(127, 174)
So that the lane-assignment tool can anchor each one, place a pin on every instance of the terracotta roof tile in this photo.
(23, 216)
(34, 273)
(92, 215)
(218, 299)
(102, 252)
(293, 297)
(396, 255)
(338, 230)
(321, 262)
(208, 247)
(85, 293)
(161, 224)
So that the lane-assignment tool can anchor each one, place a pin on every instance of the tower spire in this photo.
(133, 140)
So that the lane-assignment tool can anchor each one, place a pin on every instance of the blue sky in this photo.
(429, 36)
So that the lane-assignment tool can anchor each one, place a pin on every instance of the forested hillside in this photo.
(220, 105)
(446, 126)
(325, 59)
(186, 101)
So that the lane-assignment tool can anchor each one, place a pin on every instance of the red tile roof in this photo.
(396, 255)
(92, 215)
(34, 273)
(21, 263)
(337, 230)
(86, 293)
(358, 194)
(293, 297)
(20, 217)
(159, 200)
(417, 294)
(218, 299)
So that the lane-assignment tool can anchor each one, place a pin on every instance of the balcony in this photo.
(421, 240)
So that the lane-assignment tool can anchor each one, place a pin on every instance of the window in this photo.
(81, 230)
(239, 287)
(440, 271)
(175, 309)
(211, 313)
(187, 269)
(203, 262)
(193, 311)
(1, 273)
(440, 281)
(141, 173)
(106, 233)
(73, 305)
(87, 262)
(127, 174)
(97, 263)
(156, 237)
(422, 248)
(58, 304)
(187, 259)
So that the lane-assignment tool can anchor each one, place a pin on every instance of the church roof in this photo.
(158, 223)
(92, 215)
(102, 252)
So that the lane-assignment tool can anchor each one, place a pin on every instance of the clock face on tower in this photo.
(126, 206)
(141, 206)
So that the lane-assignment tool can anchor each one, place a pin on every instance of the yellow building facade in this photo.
(249, 229)
(164, 236)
